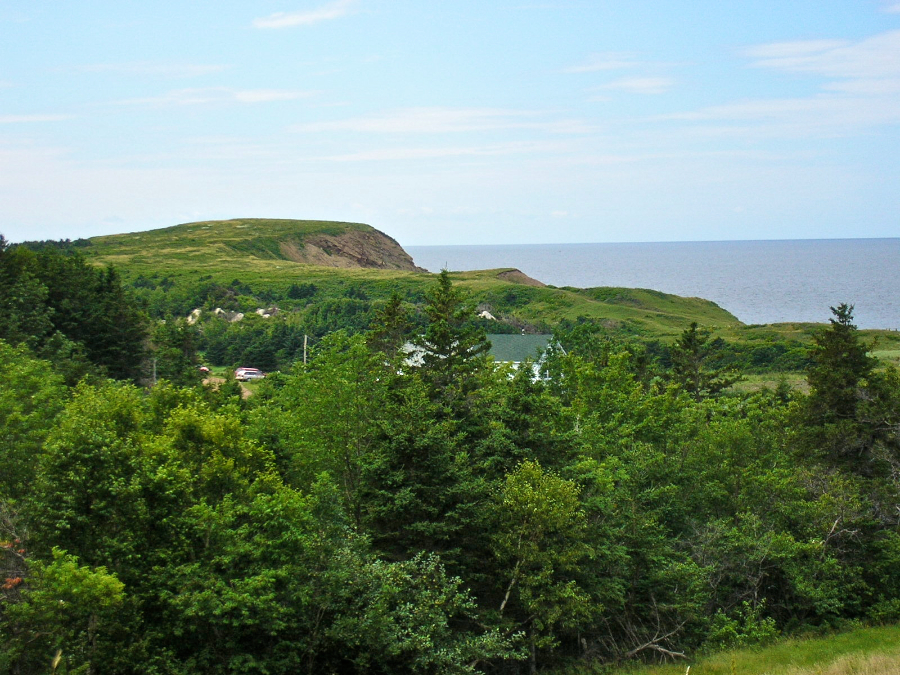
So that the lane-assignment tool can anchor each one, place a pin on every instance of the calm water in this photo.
(757, 281)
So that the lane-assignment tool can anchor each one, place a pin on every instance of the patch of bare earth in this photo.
(519, 277)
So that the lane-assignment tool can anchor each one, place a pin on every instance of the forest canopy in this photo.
(364, 513)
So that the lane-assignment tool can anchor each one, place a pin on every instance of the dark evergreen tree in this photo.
(59, 305)
(175, 352)
(850, 414)
(691, 354)
(841, 365)
(90, 306)
(117, 328)
(392, 327)
(24, 314)
(454, 348)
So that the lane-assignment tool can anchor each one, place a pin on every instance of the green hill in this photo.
(340, 259)
(274, 254)
(214, 245)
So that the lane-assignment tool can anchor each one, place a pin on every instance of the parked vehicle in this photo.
(247, 374)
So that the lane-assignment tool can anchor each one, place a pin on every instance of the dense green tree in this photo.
(89, 496)
(538, 539)
(392, 327)
(453, 348)
(691, 367)
(422, 490)
(90, 306)
(840, 380)
(31, 396)
(841, 365)
(427, 481)
(326, 416)
(174, 352)
(24, 314)
(524, 422)
(65, 620)
(53, 301)
(301, 291)
(281, 586)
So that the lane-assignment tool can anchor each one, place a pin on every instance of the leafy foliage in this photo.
(372, 512)
(60, 306)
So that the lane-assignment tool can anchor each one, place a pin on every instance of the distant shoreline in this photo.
(760, 281)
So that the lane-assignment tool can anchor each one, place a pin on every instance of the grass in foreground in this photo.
(865, 651)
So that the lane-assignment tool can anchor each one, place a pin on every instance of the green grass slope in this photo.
(864, 651)
(335, 256)
(214, 245)
(258, 252)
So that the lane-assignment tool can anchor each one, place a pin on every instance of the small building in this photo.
(518, 347)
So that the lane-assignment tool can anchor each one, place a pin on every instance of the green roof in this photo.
(517, 347)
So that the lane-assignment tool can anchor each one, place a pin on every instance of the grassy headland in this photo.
(273, 254)
(173, 268)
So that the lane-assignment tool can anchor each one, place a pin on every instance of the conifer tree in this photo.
(454, 347)
(840, 367)
(842, 385)
(690, 364)
(391, 328)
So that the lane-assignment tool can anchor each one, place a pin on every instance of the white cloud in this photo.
(603, 62)
(860, 89)
(640, 85)
(266, 95)
(152, 69)
(333, 10)
(16, 119)
(865, 87)
(795, 49)
(214, 95)
(893, 9)
(824, 115)
(438, 120)
(874, 57)
(494, 150)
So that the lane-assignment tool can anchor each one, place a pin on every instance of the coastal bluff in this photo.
(309, 242)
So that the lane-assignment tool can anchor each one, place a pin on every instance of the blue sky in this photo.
(454, 122)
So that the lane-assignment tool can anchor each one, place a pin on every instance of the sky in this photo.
(464, 122)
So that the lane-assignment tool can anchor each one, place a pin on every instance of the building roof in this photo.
(516, 347)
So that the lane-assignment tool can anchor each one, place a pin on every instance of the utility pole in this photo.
(304, 349)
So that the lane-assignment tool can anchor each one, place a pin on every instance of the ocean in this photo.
(758, 281)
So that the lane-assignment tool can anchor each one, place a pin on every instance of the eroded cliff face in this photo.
(354, 248)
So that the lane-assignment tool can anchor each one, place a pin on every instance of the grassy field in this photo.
(796, 381)
(865, 651)
(887, 355)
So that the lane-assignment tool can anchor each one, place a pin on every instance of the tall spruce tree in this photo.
(840, 367)
(841, 392)
(453, 347)
(691, 355)
(391, 328)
